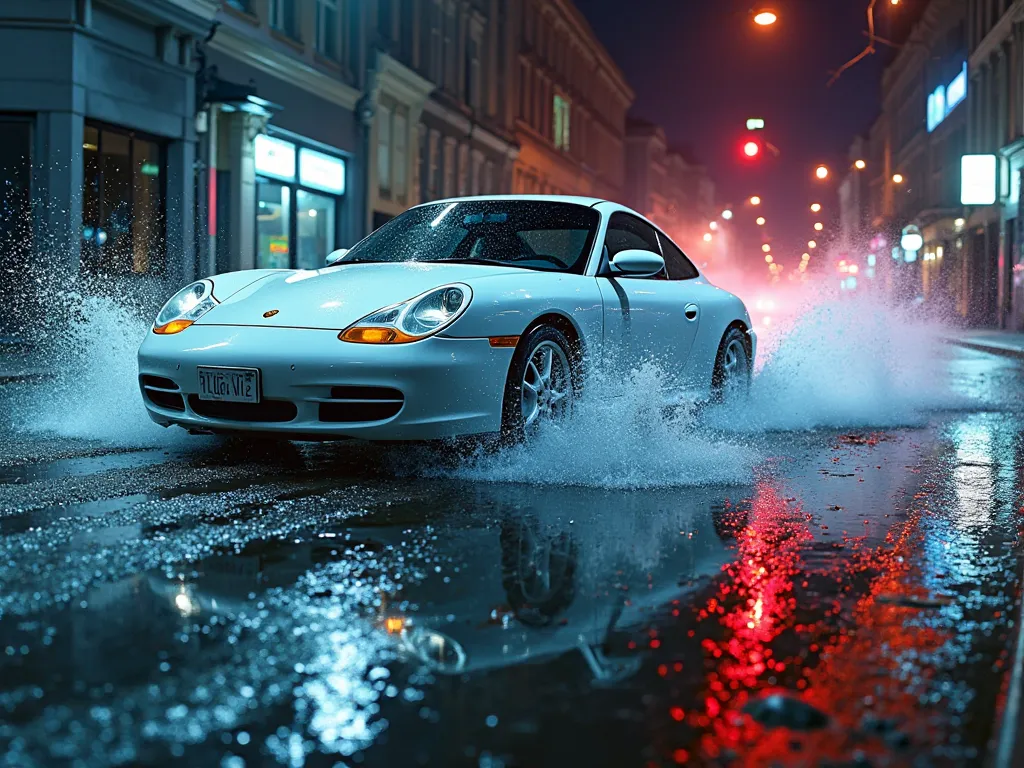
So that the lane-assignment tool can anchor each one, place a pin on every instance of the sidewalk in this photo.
(20, 362)
(1005, 343)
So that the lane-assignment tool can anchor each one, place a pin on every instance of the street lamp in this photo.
(766, 247)
(726, 214)
(760, 221)
(821, 172)
(818, 226)
(815, 207)
(707, 237)
(768, 257)
(755, 200)
(860, 165)
(811, 244)
(765, 17)
(897, 178)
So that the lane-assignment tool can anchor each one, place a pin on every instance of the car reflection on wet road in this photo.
(854, 603)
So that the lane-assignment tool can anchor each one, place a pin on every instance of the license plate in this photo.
(230, 385)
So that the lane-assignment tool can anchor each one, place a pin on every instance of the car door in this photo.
(644, 318)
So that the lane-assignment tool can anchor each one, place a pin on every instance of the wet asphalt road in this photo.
(213, 603)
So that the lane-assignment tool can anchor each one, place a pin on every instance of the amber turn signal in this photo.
(503, 341)
(175, 326)
(375, 335)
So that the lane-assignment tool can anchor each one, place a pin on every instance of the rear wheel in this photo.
(731, 378)
(540, 385)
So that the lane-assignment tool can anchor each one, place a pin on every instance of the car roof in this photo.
(578, 200)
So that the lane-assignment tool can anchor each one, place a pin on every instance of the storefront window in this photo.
(123, 227)
(298, 193)
(315, 228)
(273, 224)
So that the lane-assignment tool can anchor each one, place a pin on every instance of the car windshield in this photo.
(522, 233)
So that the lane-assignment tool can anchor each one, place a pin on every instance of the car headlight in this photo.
(412, 320)
(185, 307)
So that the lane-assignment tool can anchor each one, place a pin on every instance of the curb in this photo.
(989, 348)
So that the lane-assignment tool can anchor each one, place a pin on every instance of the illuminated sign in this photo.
(755, 124)
(978, 179)
(321, 171)
(274, 157)
(945, 99)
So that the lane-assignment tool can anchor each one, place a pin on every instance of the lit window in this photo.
(561, 113)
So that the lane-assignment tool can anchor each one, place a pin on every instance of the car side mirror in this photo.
(334, 256)
(635, 262)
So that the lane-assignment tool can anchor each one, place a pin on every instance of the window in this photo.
(273, 224)
(676, 264)
(626, 232)
(283, 17)
(245, 6)
(527, 234)
(384, 148)
(473, 75)
(401, 128)
(298, 190)
(560, 112)
(123, 228)
(327, 29)
(315, 228)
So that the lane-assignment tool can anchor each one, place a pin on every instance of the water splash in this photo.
(92, 351)
(620, 436)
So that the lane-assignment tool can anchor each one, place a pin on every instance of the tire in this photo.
(557, 401)
(538, 571)
(730, 380)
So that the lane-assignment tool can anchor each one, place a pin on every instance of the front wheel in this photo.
(731, 378)
(540, 384)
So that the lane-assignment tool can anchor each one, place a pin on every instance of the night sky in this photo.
(700, 68)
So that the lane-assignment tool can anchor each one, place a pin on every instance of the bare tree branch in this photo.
(868, 49)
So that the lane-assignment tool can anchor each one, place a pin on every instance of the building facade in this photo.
(569, 101)
(913, 155)
(99, 142)
(996, 127)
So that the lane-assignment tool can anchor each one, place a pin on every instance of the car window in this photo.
(679, 267)
(625, 232)
(533, 234)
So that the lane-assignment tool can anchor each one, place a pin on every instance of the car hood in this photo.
(335, 297)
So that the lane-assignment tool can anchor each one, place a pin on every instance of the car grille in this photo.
(266, 411)
(361, 404)
(163, 393)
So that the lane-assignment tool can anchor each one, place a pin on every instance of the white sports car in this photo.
(461, 317)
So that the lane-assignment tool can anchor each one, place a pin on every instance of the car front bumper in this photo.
(449, 387)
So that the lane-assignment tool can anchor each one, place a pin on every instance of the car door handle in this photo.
(690, 310)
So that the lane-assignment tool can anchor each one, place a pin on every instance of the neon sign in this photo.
(945, 99)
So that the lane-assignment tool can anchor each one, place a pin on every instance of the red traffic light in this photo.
(751, 147)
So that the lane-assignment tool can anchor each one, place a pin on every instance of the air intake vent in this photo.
(361, 404)
(266, 411)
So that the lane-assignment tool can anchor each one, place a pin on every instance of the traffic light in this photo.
(751, 147)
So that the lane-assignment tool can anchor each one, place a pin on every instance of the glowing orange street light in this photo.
(860, 165)
(815, 207)
(760, 221)
(897, 178)
(821, 172)
(811, 244)
(755, 200)
(818, 226)
(765, 17)
(707, 237)
(768, 258)
(766, 247)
